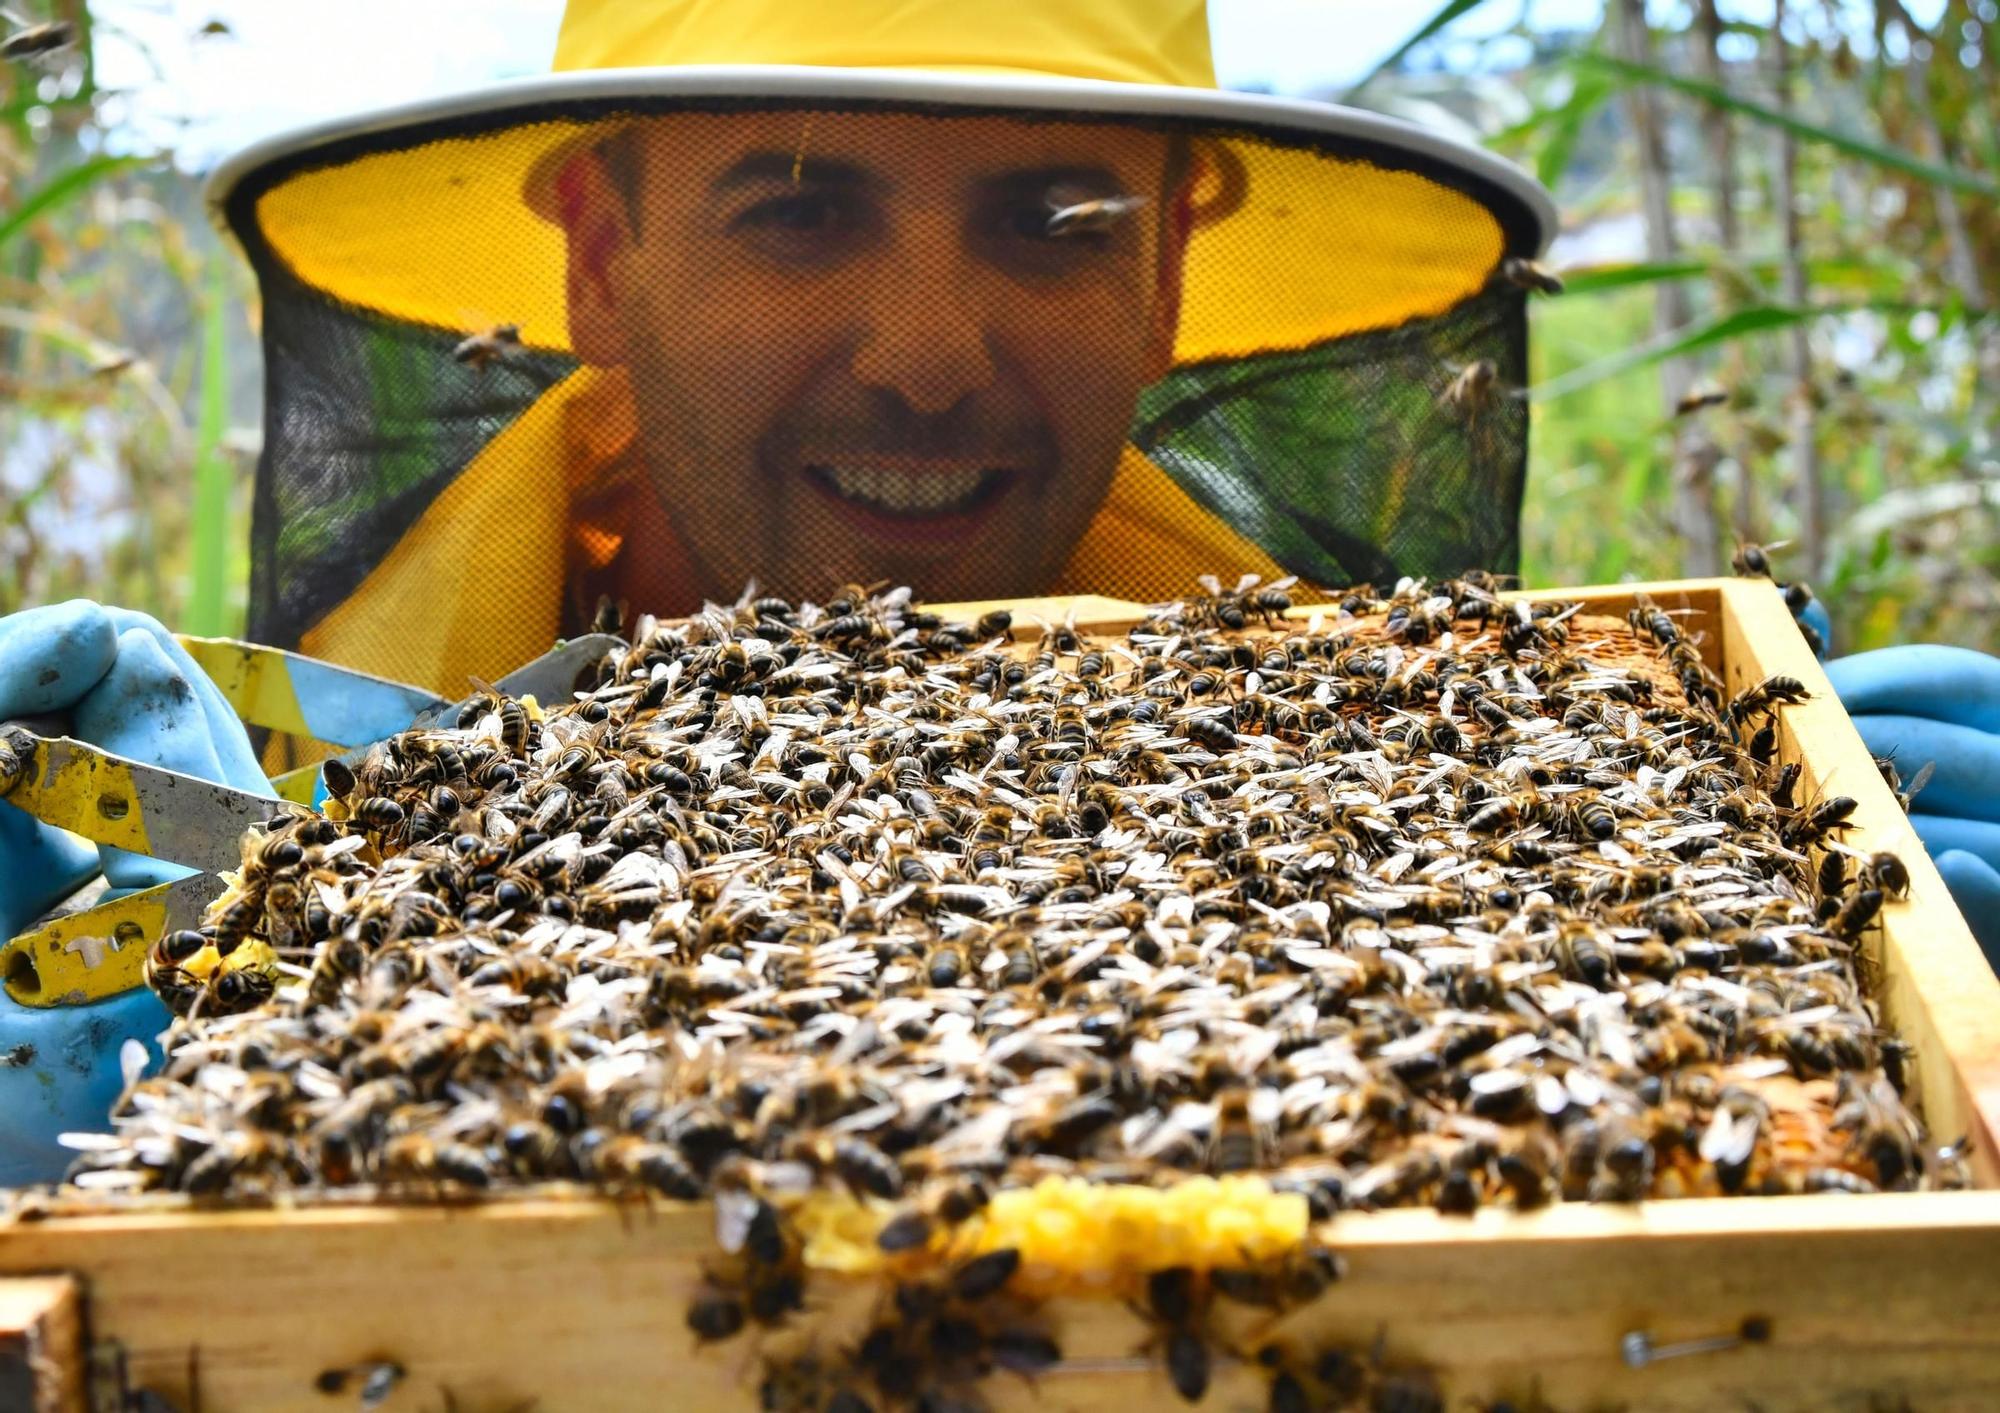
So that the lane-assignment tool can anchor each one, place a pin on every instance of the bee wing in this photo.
(1212, 584)
(733, 1213)
(1246, 582)
(1729, 1138)
(132, 1059)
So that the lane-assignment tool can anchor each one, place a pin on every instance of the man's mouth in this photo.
(930, 493)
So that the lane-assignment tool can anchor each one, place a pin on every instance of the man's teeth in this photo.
(910, 493)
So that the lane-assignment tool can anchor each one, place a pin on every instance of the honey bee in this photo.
(863, 1167)
(1700, 398)
(374, 1381)
(1188, 1364)
(1474, 391)
(1299, 1278)
(941, 1208)
(1753, 561)
(488, 346)
(1880, 1131)
(1529, 275)
(1765, 696)
(235, 1156)
(33, 41)
(378, 813)
(1814, 824)
(415, 1158)
(1854, 916)
(528, 975)
(714, 1314)
(1885, 871)
(1594, 816)
(618, 1160)
(1237, 1141)
(1094, 216)
(985, 1275)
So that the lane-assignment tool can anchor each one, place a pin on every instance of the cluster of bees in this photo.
(1439, 899)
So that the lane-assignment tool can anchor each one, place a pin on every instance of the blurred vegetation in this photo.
(1793, 217)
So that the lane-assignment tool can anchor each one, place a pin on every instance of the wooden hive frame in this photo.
(1889, 1301)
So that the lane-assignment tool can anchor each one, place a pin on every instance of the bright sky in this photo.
(288, 62)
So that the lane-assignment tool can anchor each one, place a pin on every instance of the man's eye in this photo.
(1024, 221)
(806, 213)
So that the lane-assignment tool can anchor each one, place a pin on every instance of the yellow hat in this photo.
(1341, 270)
(363, 207)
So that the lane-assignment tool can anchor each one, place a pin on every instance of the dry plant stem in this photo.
(1720, 135)
(1960, 258)
(1695, 456)
(1804, 440)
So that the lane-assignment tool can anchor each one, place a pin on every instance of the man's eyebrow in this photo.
(786, 167)
(1086, 180)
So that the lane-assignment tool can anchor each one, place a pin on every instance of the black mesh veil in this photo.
(1338, 400)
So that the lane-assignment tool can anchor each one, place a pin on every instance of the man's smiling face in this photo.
(857, 352)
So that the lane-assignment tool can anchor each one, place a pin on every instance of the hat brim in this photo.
(360, 208)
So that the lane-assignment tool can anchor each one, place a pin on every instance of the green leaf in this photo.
(1553, 160)
(1448, 12)
(1692, 338)
(64, 186)
(1933, 172)
(211, 467)
(1600, 279)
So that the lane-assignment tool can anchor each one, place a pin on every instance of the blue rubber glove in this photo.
(129, 689)
(1929, 704)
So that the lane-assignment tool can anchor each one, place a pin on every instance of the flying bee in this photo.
(1699, 398)
(1905, 794)
(1093, 216)
(1752, 561)
(33, 41)
(487, 346)
(1529, 275)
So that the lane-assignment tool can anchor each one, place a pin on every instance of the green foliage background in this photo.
(128, 395)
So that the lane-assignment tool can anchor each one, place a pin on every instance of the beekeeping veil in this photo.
(831, 326)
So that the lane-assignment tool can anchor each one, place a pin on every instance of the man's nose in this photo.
(924, 337)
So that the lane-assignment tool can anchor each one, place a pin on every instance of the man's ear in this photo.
(1176, 225)
(594, 221)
